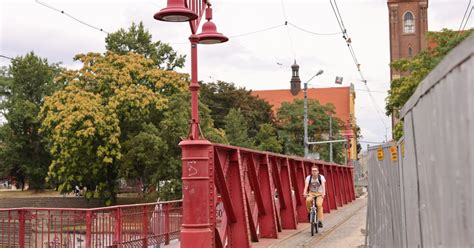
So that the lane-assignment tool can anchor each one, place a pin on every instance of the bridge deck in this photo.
(352, 213)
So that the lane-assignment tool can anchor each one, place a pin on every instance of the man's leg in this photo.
(319, 204)
(309, 201)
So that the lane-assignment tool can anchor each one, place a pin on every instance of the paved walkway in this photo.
(342, 228)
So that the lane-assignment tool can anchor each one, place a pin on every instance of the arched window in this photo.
(408, 23)
(410, 52)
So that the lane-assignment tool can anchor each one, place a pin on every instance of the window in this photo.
(408, 23)
(410, 52)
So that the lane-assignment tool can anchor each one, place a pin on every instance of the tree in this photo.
(141, 158)
(139, 40)
(23, 88)
(173, 128)
(236, 129)
(417, 68)
(102, 105)
(220, 97)
(267, 139)
(290, 128)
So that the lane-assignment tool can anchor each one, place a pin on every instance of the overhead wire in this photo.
(467, 19)
(6, 57)
(288, 29)
(72, 17)
(258, 31)
(464, 16)
(348, 41)
(311, 32)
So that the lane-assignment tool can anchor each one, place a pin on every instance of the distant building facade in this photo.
(343, 99)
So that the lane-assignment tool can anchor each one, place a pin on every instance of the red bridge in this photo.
(232, 197)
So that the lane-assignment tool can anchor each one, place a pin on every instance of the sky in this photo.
(256, 61)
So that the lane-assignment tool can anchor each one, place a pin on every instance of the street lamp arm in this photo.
(327, 142)
(315, 75)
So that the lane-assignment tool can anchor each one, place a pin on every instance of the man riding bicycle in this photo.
(315, 187)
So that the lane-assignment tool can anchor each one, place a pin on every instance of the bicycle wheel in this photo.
(312, 223)
(316, 225)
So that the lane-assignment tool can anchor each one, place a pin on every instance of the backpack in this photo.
(319, 179)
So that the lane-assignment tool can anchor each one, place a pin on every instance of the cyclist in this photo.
(315, 185)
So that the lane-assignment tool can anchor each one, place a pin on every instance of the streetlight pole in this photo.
(305, 121)
(330, 138)
(197, 171)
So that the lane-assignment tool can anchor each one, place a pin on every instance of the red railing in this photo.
(258, 193)
(140, 225)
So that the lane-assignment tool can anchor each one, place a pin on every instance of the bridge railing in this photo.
(139, 225)
(259, 193)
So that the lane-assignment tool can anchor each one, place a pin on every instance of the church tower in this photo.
(408, 20)
(295, 79)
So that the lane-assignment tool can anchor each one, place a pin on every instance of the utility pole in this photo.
(305, 124)
(305, 119)
(330, 138)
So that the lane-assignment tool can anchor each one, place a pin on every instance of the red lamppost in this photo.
(199, 193)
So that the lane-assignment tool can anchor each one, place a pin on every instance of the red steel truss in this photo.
(251, 194)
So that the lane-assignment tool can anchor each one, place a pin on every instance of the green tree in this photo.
(236, 129)
(267, 139)
(291, 133)
(173, 128)
(102, 105)
(139, 40)
(23, 88)
(417, 68)
(142, 156)
(220, 97)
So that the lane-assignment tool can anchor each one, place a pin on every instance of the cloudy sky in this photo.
(256, 61)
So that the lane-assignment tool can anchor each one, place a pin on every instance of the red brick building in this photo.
(343, 99)
(408, 22)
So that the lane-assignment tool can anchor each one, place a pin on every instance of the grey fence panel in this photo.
(410, 186)
(425, 199)
(384, 207)
(439, 121)
(403, 221)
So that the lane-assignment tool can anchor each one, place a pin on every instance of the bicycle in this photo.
(313, 219)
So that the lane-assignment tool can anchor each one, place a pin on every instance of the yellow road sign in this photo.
(380, 154)
(393, 153)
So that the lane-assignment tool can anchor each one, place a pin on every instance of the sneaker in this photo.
(320, 224)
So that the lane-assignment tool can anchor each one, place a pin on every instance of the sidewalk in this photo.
(333, 224)
(342, 228)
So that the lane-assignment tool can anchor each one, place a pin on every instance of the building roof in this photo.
(338, 96)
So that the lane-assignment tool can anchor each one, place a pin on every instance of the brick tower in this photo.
(408, 20)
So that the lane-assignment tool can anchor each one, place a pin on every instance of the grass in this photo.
(28, 193)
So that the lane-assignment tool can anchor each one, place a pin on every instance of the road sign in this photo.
(380, 154)
(393, 153)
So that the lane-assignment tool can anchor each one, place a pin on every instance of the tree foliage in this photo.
(221, 97)
(236, 129)
(290, 126)
(172, 128)
(23, 88)
(139, 40)
(267, 139)
(102, 105)
(418, 67)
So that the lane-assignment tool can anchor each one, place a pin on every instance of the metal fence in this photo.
(384, 205)
(140, 225)
(426, 199)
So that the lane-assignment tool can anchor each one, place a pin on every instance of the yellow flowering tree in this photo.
(101, 105)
